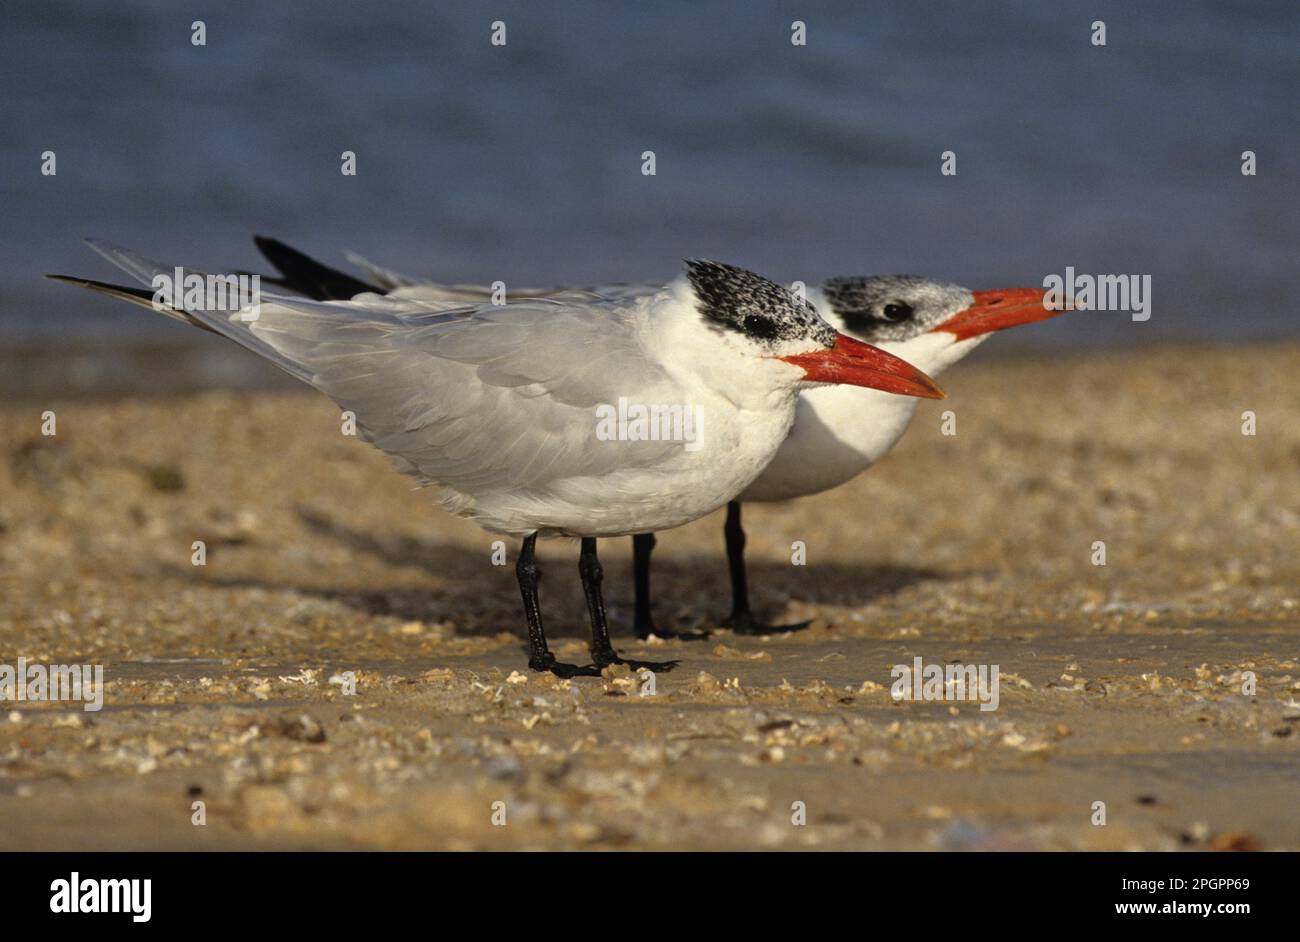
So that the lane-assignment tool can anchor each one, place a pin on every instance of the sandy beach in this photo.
(1127, 684)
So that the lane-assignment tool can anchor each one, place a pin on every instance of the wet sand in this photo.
(1120, 684)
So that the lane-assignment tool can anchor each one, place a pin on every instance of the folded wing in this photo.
(473, 398)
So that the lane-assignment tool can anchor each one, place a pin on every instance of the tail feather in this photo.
(308, 276)
(291, 332)
(386, 278)
(141, 296)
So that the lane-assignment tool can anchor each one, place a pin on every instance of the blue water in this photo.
(524, 163)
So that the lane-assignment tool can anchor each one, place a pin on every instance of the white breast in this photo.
(838, 432)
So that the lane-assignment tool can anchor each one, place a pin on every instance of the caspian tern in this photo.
(501, 405)
(838, 431)
(837, 437)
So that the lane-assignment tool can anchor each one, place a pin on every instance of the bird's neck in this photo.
(709, 359)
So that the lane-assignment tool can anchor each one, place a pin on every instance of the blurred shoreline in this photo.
(182, 361)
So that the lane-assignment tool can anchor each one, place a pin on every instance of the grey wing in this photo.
(425, 291)
(471, 398)
(435, 293)
(515, 403)
(431, 293)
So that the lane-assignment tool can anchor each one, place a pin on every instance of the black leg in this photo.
(602, 652)
(735, 536)
(644, 626)
(643, 545)
(741, 619)
(540, 657)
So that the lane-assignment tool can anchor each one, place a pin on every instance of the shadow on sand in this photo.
(691, 592)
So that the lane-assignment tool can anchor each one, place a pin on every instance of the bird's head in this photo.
(928, 323)
(773, 328)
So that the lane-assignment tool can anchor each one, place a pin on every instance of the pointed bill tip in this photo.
(922, 386)
(854, 363)
(935, 390)
(997, 310)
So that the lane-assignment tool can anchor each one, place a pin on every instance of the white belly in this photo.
(685, 486)
(838, 432)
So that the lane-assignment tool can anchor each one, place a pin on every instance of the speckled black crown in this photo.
(757, 307)
(859, 302)
(850, 295)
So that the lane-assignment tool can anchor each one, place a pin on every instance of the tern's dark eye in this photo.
(761, 327)
(897, 312)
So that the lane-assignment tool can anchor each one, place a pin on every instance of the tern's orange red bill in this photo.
(854, 363)
(998, 310)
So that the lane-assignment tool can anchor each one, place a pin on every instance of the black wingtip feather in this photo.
(265, 279)
(310, 277)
